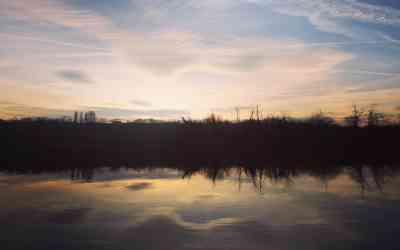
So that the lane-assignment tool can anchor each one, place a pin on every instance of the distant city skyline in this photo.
(134, 59)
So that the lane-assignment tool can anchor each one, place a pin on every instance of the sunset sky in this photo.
(167, 59)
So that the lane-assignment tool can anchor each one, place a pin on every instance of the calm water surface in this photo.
(159, 209)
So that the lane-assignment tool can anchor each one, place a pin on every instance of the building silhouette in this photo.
(85, 117)
(75, 117)
(90, 117)
(81, 117)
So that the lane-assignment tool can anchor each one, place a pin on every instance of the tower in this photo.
(75, 117)
(90, 117)
(81, 117)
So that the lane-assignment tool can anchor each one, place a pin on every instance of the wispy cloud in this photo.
(341, 44)
(46, 12)
(351, 9)
(136, 113)
(151, 52)
(390, 83)
(54, 42)
(328, 15)
(74, 76)
(367, 72)
(165, 52)
(140, 103)
(11, 110)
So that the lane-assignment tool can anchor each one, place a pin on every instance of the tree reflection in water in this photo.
(368, 177)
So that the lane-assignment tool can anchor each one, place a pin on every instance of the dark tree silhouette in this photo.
(375, 118)
(320, 119)
(356, 118)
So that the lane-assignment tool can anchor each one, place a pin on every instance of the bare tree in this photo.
(213, 119)
(356, 117)
(375, 118)
(398, 119)
(237, 111)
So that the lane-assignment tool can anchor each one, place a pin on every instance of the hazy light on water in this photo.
(143, 206)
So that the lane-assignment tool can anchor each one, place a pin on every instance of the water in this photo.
(229, 208)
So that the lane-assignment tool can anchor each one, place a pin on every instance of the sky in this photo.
(187, 58)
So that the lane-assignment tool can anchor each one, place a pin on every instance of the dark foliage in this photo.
(253, 142)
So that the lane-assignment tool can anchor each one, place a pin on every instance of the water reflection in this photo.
(368, 177)
(335, 207)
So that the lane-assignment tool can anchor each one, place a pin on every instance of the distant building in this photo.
(90, 117)
(75, 117)
(85, 117)
(81, 117)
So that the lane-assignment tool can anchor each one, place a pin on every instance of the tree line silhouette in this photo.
(364, 138)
